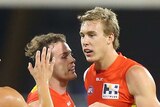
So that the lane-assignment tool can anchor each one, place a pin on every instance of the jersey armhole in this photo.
(85, 73)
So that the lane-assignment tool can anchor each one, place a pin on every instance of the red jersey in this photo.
(109, 85)
(63, 100)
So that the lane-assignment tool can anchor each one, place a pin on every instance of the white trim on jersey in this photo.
(85, 73)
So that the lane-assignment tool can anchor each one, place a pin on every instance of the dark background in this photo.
(139, 40)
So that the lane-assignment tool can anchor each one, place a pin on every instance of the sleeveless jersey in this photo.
(63, 100)
(109, 86)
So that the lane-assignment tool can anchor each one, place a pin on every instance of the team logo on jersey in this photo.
(68, 103)
(99, 79)
(90, 90)
(110, 91)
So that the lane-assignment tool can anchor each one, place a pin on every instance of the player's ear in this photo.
(110, 38)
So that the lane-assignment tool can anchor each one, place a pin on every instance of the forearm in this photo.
(98, 104)
(42, 72)
(45, 99)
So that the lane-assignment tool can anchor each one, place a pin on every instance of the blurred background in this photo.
(21, 20)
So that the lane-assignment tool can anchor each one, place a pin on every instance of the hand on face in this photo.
(43, 69)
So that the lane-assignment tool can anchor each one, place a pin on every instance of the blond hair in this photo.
(108, 18)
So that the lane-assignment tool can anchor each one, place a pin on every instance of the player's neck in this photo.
(59, 86)
(106, 61)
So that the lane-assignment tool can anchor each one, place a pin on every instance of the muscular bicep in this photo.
(34, 104)
(142, 86)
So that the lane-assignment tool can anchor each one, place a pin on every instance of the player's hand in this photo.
(43, 69)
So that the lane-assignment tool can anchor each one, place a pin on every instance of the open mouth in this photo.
(87, 52)
(72, 69)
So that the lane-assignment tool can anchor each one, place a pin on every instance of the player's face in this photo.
(93, 40)
(64, 68)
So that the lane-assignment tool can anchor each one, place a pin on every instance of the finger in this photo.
(37, 60)
(48, 55)
(52, 63)
(43, 56)
(53, 60)
(30, 67)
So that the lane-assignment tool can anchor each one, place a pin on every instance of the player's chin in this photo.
(90, 60)
(73, 76)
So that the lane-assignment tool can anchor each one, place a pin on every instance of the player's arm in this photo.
(42, 72)
(98, 104)
(142, 86)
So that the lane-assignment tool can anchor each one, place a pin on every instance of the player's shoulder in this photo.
(137, 70)
(138, 75)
